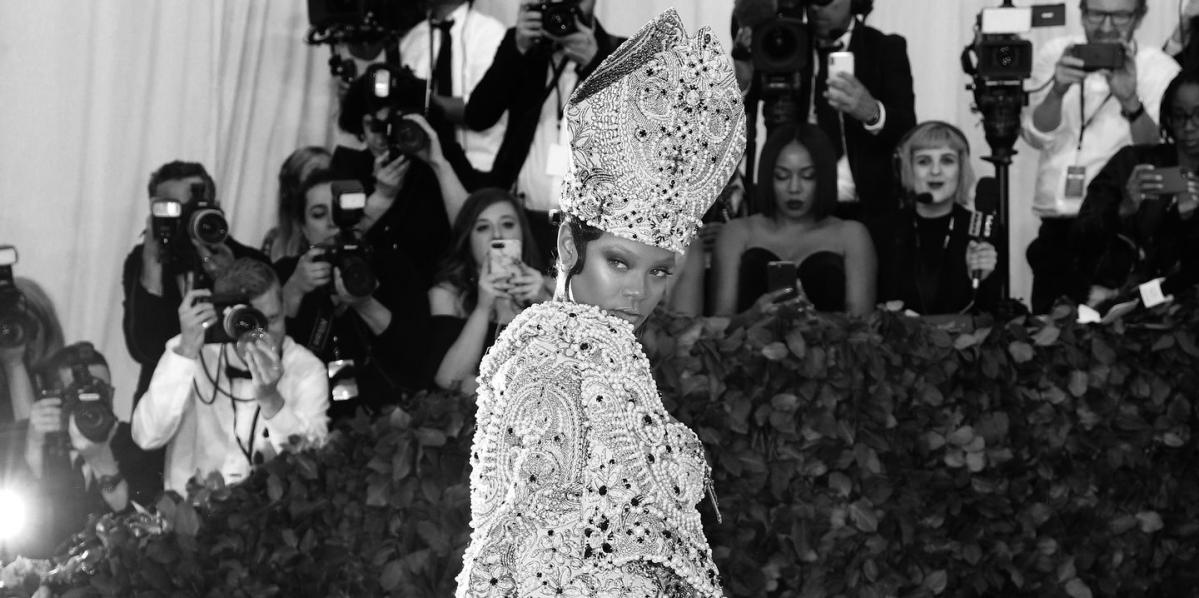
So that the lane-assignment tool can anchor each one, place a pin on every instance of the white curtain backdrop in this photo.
(94, 95)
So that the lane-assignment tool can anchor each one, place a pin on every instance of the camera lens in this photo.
(94, 418)
(243, 319)
(408, 137)
(209, 226)
(780, 43)
(357, 275)
(15, 329)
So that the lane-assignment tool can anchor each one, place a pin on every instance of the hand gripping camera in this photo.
(179, 227)
(346, 251)
(236, 318)
(16, 325)
(86, 397)
(403, 93)
(558, 18)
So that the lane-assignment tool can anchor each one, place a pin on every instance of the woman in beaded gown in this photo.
(581, 483)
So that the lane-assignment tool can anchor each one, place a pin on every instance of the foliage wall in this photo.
(877, 457)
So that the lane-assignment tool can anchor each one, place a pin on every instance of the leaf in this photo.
(274, 487)
(1076, 588)
(863, 517)
(393, 572)
(433, 537)
(1078, 383)
(1020, 351)
(775, 351)
(1150, 521)
(187, 521)
(400, 419)
(931, 395)
(430, 437)
(796, 343)
(1047, 335)
(936, 582)
(376, 494)
(785, 402)
(1102, 351)
(840, 483)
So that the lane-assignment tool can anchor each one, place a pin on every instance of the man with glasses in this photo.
(1081, 118)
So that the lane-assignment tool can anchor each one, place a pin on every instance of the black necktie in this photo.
(443, 70)
(233, 373)
(827, 117)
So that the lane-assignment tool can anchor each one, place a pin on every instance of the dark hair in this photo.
(359, 101)
(246, 276)
(583, 234)
(459, 268)
(1166, 114)
(81, 353)
(290, 211)
(861, 7)
(824, 160)
(177, 170)
(1141, 10)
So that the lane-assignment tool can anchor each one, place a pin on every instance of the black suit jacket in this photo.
(515, 83)
(881, 64)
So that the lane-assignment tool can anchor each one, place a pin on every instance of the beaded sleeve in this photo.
(581, 482)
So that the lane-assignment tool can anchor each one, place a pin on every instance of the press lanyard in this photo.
(1082, 113)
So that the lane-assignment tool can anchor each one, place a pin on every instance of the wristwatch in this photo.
(1135, 114)
(878, 115)
(109, 483)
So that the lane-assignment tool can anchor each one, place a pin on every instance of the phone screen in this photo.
(781, 275)
(504, 256)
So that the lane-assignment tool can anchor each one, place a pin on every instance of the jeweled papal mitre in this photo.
(656, 130)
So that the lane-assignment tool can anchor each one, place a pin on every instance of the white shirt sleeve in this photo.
(1155, 70)
(157, 416)
(1043, 67)
(305, 391)
(882, 120)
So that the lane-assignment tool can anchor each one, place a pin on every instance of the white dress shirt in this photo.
(187, 410)
(1104, 136)
(475, 38)
(540, 178)
(847, 189)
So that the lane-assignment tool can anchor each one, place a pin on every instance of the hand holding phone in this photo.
(503, 257)
(782, 275)
(840, 62)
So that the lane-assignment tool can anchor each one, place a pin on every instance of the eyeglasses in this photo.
(1180, 118)
(1119, 18)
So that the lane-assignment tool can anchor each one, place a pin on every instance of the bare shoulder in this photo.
(853, 233)
(445, 300)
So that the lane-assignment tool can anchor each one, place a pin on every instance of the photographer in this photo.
(1138, 220)
(479, 288)
(230, 406)
(80, 458)
(153, 287)
(412, 196)
(27, 352)
(372, 332)
(533, 75)
(454, 69)
(1081, 117)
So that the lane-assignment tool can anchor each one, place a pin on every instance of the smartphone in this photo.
(1099, 56)
(1174, 179)
(840, 62)
(503, 256)
(782, 275)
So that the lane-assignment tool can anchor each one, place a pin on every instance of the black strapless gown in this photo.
(821, 274)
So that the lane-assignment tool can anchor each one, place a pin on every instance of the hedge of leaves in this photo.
(879, 457)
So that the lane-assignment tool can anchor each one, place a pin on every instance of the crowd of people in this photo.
(394, 267)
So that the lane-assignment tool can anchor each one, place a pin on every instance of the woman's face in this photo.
(935, 171)
(318, 214)
(374, 127)
(496, 221)
(794, 181)
(626, 278)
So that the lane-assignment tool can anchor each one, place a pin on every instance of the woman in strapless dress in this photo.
(796, 196)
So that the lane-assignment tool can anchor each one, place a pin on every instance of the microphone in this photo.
(924, 198)
(982, 220)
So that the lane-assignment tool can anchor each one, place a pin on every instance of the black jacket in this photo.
(149, 321)
(881, 64)
(516, 84)
(930, 276)
(1114, 250)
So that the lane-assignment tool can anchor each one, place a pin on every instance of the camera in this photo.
(557, 18)
(177, 227)
(84, 396)
(404, 93)
(346, 251)
(1099, 56)
(16, 325)
(236, 318)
